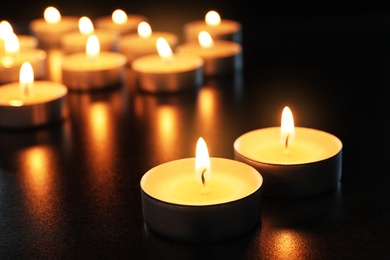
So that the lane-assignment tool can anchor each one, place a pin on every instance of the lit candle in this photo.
(219, 56)
(221, 29)
(168, 72)
(93, 69)
(120, 22)
(295, 162)
(30, 103)
(25, 41)
(52, 26)
(139, 44)
(202, 199)
(13, 58)
(76, 41)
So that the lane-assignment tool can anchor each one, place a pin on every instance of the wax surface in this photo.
(135, 43)
(78, 41)
(310, 145)
(27, 42)
(105, 61)
(30, 55)
(43, 91)
(67, 23)
(130, 25)
(175, 182)
(225, 27)
(155, 64)
(220, 49)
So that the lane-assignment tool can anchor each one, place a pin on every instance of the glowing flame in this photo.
(85, 25)
(93, 47)
(205, 39)
(5, 29)
(212, 18)
(164, 50)
(119, 16)
(287, 128)
(144, 30)
(52, 15)
(202, 162)
(26, 78)
(11, 44)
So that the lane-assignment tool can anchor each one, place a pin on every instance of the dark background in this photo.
(328, 62)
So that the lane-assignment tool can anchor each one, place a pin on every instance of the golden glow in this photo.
(144, 30)
(202, 162)
(287, 132)
(99, 122)
(5, 29)
(11, 44)
(212, 18)
(119, 16)
(52, 15)
(85, 25)
(93, 46)
(164, 50)
(16, 103)
(205, 39)
(26, 78)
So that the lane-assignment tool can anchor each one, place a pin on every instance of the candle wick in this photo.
(203, 178)
(286, 143)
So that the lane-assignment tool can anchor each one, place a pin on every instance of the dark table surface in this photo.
(72, 190)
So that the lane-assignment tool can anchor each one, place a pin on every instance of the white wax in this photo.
(27, 42)
(129, 26)
(153, 63)
(310, 145)
(75, 41)
(80, 62)
(134, 46)
(221, 49)
(220, 31)
(42, 92)
(175, 182)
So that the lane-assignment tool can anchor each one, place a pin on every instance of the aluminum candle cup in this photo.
(10, 64)
(222, 57)
(176, 207)
(80, 72)
(46, 105)
(49, 34)
(133, 46)
(156, 75)
(311, 167)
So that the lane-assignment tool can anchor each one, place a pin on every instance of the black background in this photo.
(329, 63)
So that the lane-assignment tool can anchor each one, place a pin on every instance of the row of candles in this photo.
(202, 199)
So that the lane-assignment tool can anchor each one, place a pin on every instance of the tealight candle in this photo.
(221, 29)
(201, 200)
(139, 44)
(13, 58)
(25, 41)
(219, 56)
(93, 69)
(30, 103)
(166, 72)
(52, 26)
(295, 162)
(120, 22)
(76, 41)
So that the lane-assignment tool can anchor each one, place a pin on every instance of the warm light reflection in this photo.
(26, 79)
(144, 30)
(287, 132)
(119, 16)
(93, 47)
(167, 127)
(54, 61)
(52, 15)
(212, 18)
(288, 245)
(207, 107)
(99, 123)
(205, 40)
(164, 50)
(202, 162)
(85, 25)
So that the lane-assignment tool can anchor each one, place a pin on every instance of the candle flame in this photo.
(205, 40)
(85, 25)
(52, 15)
(287, 128)
(164, 50)
(119, 16)
(212, 18)
(144, 30)
(93, 47)
(5, 29)
(11, 43)
(26, 79)
(202, 163)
